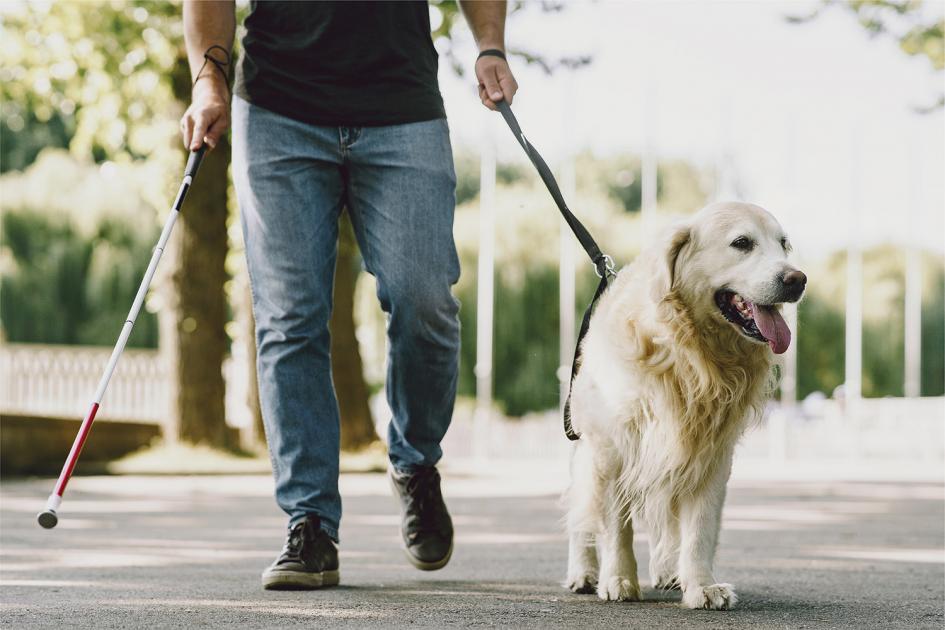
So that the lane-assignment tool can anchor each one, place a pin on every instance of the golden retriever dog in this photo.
(676, 363)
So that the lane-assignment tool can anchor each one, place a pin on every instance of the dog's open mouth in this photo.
(762, 322)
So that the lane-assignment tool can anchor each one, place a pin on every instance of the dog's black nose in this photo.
(794, 283)
(793, 278)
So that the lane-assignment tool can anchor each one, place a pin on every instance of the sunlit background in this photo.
(829, 114)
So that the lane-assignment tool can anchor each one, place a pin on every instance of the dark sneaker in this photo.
(308, 560)
(427, 528)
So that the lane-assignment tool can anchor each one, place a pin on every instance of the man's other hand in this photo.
(496, 82)
(208, 117)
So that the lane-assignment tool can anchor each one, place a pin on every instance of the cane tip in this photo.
(47, 519)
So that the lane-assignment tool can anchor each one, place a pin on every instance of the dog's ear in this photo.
(667, 255)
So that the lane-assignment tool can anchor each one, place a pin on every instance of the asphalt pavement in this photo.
(186, 552)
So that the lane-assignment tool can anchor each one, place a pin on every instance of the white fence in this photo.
(59, 381)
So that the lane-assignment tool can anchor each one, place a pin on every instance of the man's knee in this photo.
(426, 311)
(292, 324)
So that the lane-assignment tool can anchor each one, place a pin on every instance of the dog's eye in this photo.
(785, 244)
(743, 243)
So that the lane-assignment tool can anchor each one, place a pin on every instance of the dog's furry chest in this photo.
(656, 449)
(666, 434)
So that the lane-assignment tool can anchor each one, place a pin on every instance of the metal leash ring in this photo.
(609, 268)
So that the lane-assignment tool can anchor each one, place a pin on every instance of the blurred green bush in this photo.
(821, 324)
(528, 231)
(526, 350)
(76, 239)
(75, 243)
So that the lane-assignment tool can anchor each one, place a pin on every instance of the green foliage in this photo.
(76, 241)
(820, 339)
(468, 175)
(40, 301)
(99, 72)
(23, 143)
(917, 31)
(932, 374)
(449, 23)
(525, 345)
(60, 286)
(821, 327)
(526, 352)
(680, 187)
(526, 341)
(920, 32)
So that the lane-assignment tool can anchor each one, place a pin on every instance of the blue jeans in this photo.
(397, 182)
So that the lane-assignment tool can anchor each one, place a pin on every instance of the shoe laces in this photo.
(293, 543)
(424, 497)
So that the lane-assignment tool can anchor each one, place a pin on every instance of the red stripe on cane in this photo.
(73, 458)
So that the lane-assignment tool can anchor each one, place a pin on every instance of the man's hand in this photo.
(487, 23)
(208, 117)
(209, 25)
(496, 82)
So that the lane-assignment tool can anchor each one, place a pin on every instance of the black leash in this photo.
(603, 264)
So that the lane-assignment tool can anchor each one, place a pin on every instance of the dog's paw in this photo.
(619, 589)
(714, 597)
(584, 583)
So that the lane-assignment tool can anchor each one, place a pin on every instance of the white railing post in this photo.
(853, 359)
(566, 261)
(485, 294)
(912, 378)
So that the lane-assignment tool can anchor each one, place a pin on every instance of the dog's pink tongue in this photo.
(773, 327)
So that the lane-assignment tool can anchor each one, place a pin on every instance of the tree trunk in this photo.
(194, 340)
(202, 310)
(357, 425)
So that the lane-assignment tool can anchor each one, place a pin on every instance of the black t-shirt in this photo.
(341, 63)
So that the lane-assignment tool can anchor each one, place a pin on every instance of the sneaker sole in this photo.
(429, 566)
(298, 581)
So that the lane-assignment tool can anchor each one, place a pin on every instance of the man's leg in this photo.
(289, 185)
(401, 188)
(401, 194)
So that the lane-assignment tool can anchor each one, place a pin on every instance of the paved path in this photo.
(186, 552)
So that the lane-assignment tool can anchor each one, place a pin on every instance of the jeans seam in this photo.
(366, 249)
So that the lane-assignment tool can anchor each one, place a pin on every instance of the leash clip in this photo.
(608, 267)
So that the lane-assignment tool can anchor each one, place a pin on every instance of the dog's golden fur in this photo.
(665, 389)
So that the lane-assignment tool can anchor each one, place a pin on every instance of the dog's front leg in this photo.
(700, 520)
(618, 566)
(582, 562)
(584, 497)
(664, 549)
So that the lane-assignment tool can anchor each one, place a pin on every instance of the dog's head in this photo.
(730, 264)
